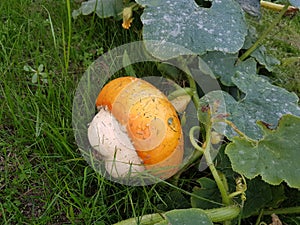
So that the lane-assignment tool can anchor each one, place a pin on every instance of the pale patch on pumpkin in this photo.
(110, 139)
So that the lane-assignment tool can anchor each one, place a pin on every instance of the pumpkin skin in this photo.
(150, 120)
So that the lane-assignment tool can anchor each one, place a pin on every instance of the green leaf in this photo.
(261, 195)
(169, 70)
(252, 7)
(128, 65)
(103, 8)
(292, 220)
(295, 3)
(275, 157)
(251, 37)
(223, 166)
(260, 54)
(188, 217)
(221, 27)
(262, 102)
(173, 200)
(45, 81)
(28, 68)
(265, 59)
(40, 68)
(293, 197)
(223, 65)
(209, 190)
(44, 75)
(34, 78)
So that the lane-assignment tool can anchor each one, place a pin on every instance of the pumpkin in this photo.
(136, 130)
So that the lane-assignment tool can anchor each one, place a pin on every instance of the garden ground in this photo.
(43, 178)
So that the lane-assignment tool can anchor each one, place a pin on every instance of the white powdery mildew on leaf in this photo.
(224, 65)
(295, 3)
(219, 28)
(275, 157)
(263, 102)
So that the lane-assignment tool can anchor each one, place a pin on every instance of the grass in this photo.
(283, 43)
(43, 178)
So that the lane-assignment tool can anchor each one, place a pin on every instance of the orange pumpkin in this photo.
(150, 120)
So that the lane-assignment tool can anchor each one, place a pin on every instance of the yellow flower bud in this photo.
(127, 17)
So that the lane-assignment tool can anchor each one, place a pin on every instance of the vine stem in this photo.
(289, 210)
(206, 152)
(194, 94)
(205, 149)
(276, 7)
(223, 190)
(215, 215)
(198, 152)
(196, 155)
(264, 34)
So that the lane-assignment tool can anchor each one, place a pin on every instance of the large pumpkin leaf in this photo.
(208, 190)
(173, 200)
(295, 3)
(262, 195)
(224, 65)
(221, 27)
(261, 55)
(275, 157)
(262, 102)
(103, 8)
